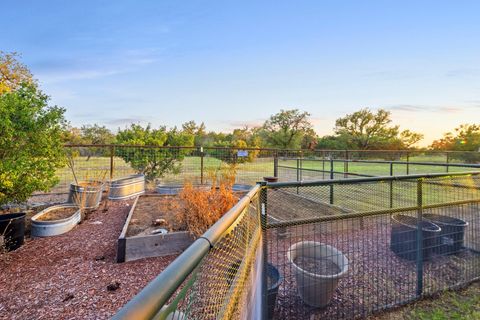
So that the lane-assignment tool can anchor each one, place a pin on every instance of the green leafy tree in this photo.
(96, 134)
(13, 73)
(465, 138)
(238, 140)
(366, 130)
(287, 129)
(153, 162)
(31, 146)
(198, 131)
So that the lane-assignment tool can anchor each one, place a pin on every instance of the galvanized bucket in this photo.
(127, 187)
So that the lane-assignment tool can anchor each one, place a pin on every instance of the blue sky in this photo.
(235, 63)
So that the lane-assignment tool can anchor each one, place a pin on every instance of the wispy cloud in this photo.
(463, 73)
(125, 121)
(407, 107)
(56, 70)
(248, 123)
(424, 108)
(388, 75)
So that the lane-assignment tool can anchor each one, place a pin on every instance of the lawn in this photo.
(463, 304)
(249, 172)
(377, 169)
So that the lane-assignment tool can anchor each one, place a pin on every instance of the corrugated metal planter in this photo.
(87, 194)
(171, 190)
(54, 227)
(127, 187)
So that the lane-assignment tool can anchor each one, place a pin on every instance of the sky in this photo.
(235, 63)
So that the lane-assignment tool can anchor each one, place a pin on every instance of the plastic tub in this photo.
(12, 229)
(403, 238)
(451, 237)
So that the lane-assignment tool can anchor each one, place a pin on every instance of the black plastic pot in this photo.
(270, 179)
(403, 238)
(12, 228)
(274, 281)
(450, 239)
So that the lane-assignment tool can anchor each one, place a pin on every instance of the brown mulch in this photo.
(74, 275)
(376, 276)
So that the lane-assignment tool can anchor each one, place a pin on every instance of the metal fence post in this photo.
(112, 154)
(331, 168)
(448, 160)
(408, 163)
(202, 155)
(263, 219)
(275, 164)
(419, 237)
(331, 178)
(345, 165)
(391, 185)
(323, 165)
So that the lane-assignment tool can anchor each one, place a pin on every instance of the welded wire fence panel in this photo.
(347, 249)
(224, 283)
(360, 273)
(163, 165)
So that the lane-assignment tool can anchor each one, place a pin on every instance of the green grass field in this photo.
(249, 172)
(451, 305)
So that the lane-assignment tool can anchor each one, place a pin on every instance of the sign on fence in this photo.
(242, 153)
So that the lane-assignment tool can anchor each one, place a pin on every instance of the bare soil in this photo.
(287, 206)
(57, 214)
(150, 210)
(317, 265)
(74, 275)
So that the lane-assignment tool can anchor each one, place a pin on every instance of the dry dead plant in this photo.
(201, 207)
(3, 245)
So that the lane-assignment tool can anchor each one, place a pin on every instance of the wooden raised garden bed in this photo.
(141, 235)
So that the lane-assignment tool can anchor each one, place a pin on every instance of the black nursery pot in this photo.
(12, 228)
(275, 279)
(451, 237)
(403, 238)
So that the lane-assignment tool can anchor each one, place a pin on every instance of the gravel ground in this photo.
(74, 275)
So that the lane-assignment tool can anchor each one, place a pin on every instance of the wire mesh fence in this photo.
(176, 165)
(328, 249)
(217, 276)
(316, 168)
(222, 285)
(350, 248)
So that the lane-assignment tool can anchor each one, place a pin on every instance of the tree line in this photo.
(288, 129)
(33, 133)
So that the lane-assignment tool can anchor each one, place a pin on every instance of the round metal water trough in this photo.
(54, 227)
(176, 189)
(127, 187)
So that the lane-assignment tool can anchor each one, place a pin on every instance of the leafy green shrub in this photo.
(31, 147)
(153, 162)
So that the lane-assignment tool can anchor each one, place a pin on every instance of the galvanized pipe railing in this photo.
(147, 303)
(367, 179)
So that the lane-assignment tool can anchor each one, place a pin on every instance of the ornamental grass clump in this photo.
(201, 207)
